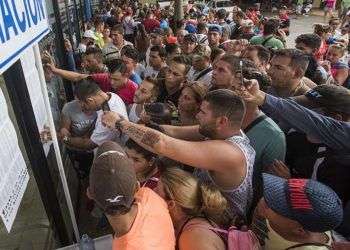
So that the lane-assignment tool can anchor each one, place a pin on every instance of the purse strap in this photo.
(309, 244)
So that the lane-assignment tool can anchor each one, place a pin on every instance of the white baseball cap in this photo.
(89, 34)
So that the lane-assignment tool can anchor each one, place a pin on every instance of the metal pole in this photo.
(179, 12)
(69, 23)
(77, 26)
(39, 66)
(81, 9)
(59, 41)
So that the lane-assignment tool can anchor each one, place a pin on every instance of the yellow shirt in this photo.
(99, 41)
(276, 242)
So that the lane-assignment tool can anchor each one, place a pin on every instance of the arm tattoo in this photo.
(149, 138)
(135, 132)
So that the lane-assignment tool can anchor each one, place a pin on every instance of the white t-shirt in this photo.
(101, 133)
(151, 72)
(206, 78)
(129, 25)
(81, 48)
(133, 117)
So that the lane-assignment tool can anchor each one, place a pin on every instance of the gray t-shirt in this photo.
(81, 123)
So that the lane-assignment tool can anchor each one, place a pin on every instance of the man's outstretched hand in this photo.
(251, 92)
(110, 118)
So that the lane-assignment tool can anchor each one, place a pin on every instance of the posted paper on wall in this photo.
(14, 175)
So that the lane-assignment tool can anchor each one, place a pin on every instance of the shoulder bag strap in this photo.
(266, 40)
(204, 72)
(181, 229)
(309, 244)
(254, 123)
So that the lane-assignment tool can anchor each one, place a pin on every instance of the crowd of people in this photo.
(196, 131)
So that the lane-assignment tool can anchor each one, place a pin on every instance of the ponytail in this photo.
(195, 199)
(214, 204)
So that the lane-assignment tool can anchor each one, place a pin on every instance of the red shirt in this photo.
(321, 52)
(151, 24)
(126, 93)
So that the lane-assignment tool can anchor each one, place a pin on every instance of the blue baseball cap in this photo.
(314, 205)
(215, 28)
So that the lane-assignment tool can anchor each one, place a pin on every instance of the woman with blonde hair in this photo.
(194, 208)
(190, 101)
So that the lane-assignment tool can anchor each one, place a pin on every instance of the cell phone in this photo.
(241, 71)
(105, 106)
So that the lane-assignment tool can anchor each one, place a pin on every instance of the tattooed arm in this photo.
(183, 132)
(214, 155)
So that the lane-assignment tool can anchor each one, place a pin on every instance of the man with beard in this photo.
(225, 159)
(265, 136)
(287, 71)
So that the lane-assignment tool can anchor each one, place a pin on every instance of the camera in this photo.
(263, 79)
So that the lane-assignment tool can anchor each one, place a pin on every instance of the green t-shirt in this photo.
(269, 143)
(272, 43)
(345, 4)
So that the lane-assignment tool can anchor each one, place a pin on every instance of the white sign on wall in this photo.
(22, 23)
(13, 171)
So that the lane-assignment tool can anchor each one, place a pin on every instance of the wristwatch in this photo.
(66, 139)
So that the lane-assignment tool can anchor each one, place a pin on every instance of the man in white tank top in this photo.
(226, 156)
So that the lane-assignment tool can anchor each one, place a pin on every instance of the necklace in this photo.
(300, 85)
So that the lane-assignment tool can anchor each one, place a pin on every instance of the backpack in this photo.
(234, 238)
(239, 239)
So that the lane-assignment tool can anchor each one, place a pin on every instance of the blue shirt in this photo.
(135, 78)
(333, 133)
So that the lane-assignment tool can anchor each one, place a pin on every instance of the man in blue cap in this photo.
(299, 213)
(214, 35)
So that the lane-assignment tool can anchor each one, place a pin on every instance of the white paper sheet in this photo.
(13, 171)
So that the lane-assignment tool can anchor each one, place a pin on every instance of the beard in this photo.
(208, 130)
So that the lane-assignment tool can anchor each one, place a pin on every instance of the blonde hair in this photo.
(194, 198)
(338, 47)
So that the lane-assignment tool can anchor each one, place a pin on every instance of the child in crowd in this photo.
(334, 65)
(284, 19)
(144, 164)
